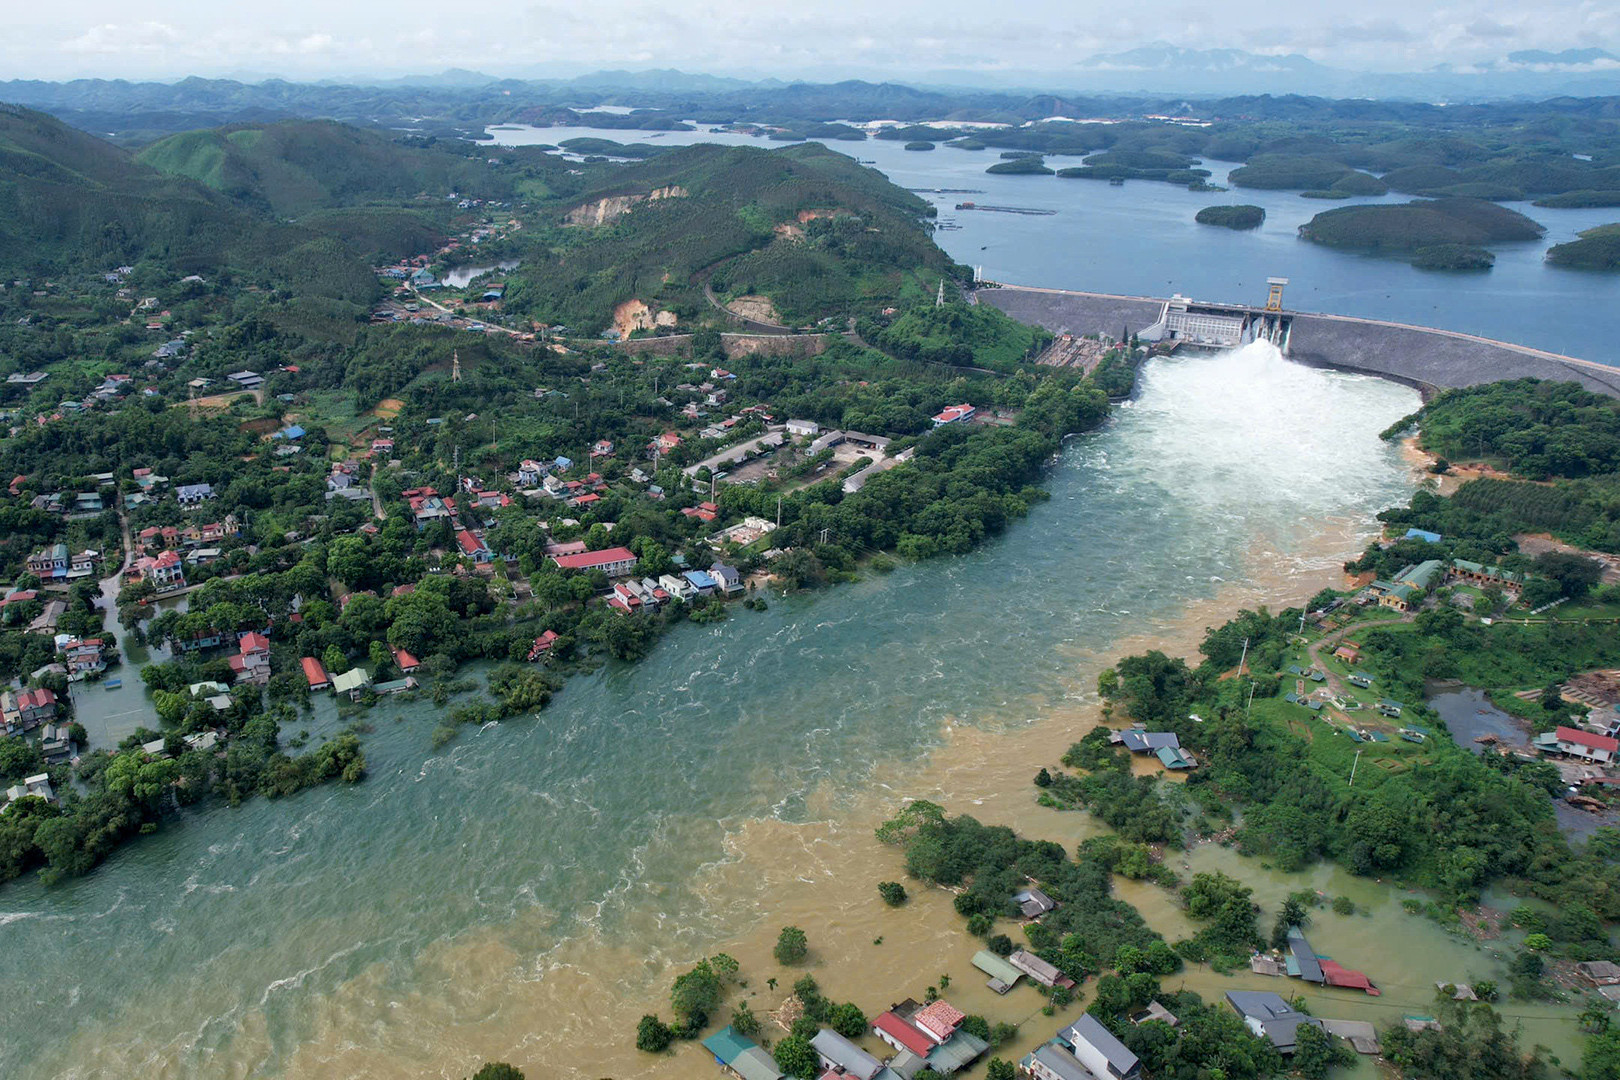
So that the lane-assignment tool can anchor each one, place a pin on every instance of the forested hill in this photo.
(806, 227)
(294, 166)
(213, 203)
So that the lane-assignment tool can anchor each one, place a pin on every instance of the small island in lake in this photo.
(1232, 217)
(1453, 257)
(920, 144)
(1407, 228)
(1021, 166)
(1597, 249)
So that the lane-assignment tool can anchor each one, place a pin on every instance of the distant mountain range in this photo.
(1152, 78)
(1165, 68)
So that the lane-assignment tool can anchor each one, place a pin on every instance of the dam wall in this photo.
(1418, 356)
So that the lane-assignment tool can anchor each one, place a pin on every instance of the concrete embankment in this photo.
(1419, 356)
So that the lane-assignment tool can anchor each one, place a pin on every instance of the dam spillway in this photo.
(1419, 356)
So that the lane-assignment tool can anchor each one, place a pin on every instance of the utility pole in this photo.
(779, 511)
(939, 299)
(1249, 708)
(1244, 658)
(1353, 765)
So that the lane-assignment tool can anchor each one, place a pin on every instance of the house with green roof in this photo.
(740, 1056)
(1486, 576)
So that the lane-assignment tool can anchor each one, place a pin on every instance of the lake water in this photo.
(522, 892)
(461, 276)
(1141, 239)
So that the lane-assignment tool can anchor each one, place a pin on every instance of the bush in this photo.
(653, 1035)
(791, 946)
(893, 893)
(1343, 905)
(498, 1070)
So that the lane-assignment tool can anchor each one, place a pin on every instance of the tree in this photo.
(1291, 914)
(696, 993)
(848, 1020)
(653, 1035)
(795, 1056)
(1000, 1069)
(1318, 1053)
(893, 893)
(498, 1070)
(791, 946)
(744, 1021)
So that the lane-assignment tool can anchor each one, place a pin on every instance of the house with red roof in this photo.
(473, 547)
(251, 664)
(22, 710)
(315, 672)
(407, 663)
(1573, 742)
(165, 571)
(952, 414)
(1335, 974)
(938, 1020)
(623, 598)
(543, 644)
(901, 1035)
(614, 561)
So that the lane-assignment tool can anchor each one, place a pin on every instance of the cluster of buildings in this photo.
(1405, 588)
(1085, 1050)
(55, 564)
(923, 1036)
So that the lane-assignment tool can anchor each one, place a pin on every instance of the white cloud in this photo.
(875, 38)
(111, 39)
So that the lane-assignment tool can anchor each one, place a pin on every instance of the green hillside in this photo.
(1597, 249)
(70, 202)
(804, 226)
(295, 166)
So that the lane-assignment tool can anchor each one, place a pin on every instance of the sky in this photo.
(315, 39)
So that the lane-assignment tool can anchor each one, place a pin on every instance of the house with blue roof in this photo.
(701, 581)
(1422, 534)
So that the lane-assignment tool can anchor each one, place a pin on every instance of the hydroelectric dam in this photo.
(1419, 356)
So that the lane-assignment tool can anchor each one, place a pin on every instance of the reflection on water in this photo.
(461, 276)
(1469, 714)
(522, 892)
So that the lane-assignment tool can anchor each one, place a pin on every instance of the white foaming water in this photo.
(1251, 427)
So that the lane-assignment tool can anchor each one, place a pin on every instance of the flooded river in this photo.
(529, 891)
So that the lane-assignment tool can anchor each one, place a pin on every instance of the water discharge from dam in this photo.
(522, 893)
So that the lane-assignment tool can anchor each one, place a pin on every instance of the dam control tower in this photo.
(1197, 324)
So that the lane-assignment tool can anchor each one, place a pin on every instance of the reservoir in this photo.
(1140, 239)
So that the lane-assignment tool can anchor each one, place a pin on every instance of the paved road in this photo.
(733, 454)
